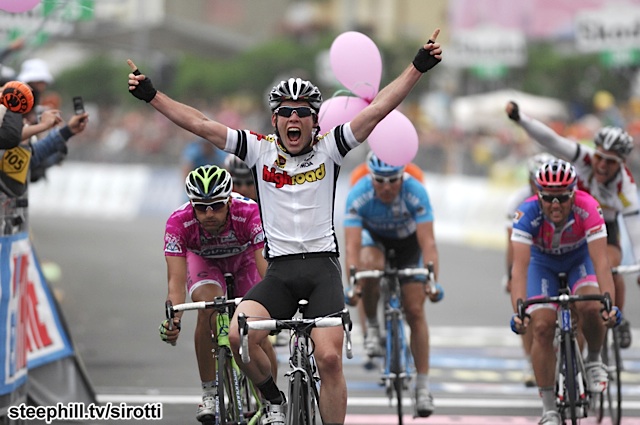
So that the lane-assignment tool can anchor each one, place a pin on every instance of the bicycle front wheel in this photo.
(298, 410)
(570, 385)
(395, 362)
(613, 361)
(230, 405)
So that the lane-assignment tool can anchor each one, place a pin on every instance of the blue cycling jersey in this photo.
(397, 220)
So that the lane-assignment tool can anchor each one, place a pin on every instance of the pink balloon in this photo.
(394, 140)
(356, 63)
(17, 6)
(339, 110)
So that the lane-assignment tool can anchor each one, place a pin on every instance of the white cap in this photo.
(33, 70)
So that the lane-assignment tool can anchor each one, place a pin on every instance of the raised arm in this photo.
(549, 140)
(395, 92)
(183, 115)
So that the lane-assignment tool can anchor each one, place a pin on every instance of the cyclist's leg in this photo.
(543, 326)
(261, 302)
(590, 320)
(542, 280)
(592, 326)
(371, 258)
(247, 276)
(333, 387)
(204, 282)
(259, 368)
(326, 297)
(413, 298)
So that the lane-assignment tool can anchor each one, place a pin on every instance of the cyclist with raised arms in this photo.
(602, 172)
(524, 192)
(561, 229)
(218, 231)
(390, 210)
(296, 168)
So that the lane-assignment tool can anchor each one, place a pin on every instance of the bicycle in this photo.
(612, 359)
(398, 367)
(572, 398)
(237, 401)
(303, 375)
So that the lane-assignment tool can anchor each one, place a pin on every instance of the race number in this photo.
(15, 163)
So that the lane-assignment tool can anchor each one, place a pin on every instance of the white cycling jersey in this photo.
(296, 194)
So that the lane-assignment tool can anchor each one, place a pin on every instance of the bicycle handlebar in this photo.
(434, 288)
(244, 325)
(218, 303)
(521, 305)
(633, 268)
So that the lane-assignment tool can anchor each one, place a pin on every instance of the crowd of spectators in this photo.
(143, 136)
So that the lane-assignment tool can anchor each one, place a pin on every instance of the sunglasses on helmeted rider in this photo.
(204, 206)
(552, 197)
(609, 159)
(301, 111)
(390, 180)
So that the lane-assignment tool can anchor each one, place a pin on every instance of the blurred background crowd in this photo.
(573, 65)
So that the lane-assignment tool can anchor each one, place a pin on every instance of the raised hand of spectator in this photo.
(78, 123)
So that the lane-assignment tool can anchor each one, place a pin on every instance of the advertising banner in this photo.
(31, 331)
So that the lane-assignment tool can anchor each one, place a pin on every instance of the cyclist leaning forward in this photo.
(388, 209)
(295, 170)
(218, 231)
(602, 172)
(561, 229)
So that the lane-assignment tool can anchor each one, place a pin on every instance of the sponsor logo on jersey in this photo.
(517, 216)
(171, 244)
(281, 178)
(238, 218)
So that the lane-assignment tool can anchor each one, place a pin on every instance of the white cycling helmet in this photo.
(295, 89)
(614, 139)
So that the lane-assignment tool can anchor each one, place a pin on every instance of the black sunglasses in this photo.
(390, 180)
(301, 111)
(204, 206)
(560, 197)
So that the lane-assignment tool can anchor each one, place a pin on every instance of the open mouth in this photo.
(294, 134)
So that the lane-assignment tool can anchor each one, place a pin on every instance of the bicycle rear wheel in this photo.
(613, 361)
(230, 405)
(298, 410)
(396, 363)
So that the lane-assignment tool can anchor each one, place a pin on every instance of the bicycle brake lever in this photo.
(243, 328)
(170, 313)
(347, 325)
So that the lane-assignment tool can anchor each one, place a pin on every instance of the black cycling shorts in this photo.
(317, 279)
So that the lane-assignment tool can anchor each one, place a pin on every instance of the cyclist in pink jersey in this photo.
(218, 231)
(295, 169)
(561, 229)
(524, 192)
(603, 173)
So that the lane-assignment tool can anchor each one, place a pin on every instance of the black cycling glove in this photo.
(145, 90)
(423, 60)
(515, 112)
